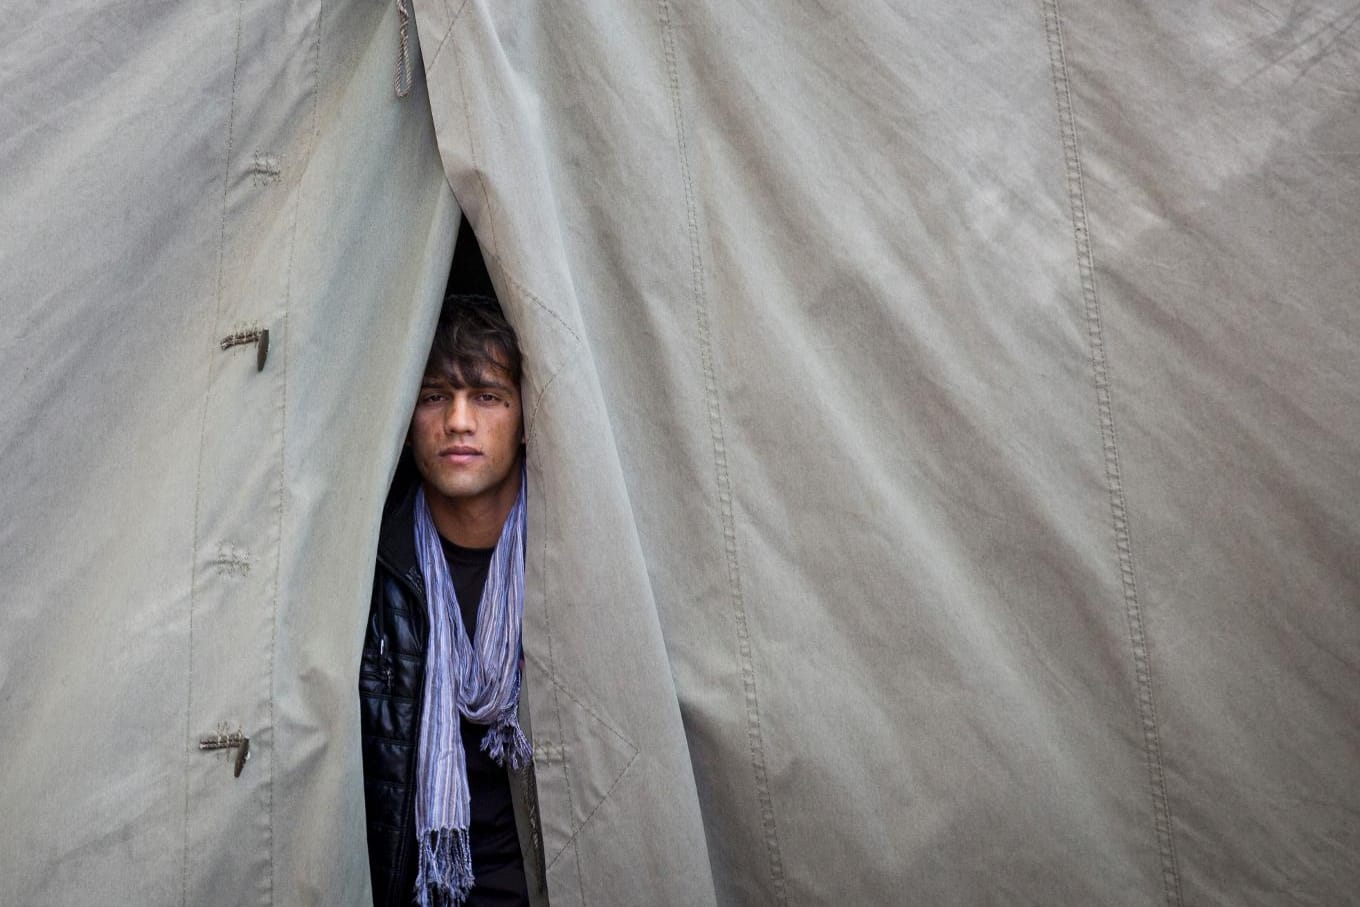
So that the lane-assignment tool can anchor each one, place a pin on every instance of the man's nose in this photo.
(458, 416)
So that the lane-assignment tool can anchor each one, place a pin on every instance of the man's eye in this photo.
(431, 398)
(488, 398)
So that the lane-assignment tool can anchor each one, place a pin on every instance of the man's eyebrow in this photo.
(468, 382)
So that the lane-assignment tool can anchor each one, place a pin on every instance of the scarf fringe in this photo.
(445, 875)
(506, 743)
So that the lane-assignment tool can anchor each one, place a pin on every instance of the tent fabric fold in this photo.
(942, 429)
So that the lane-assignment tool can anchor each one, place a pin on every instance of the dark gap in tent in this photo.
(467, 274)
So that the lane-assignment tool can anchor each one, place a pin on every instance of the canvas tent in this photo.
(944, 439)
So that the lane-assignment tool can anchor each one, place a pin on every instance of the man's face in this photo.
(466, 439)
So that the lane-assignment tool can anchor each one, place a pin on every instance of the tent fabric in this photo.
(981, 385)
(942, 440)
(187, 542)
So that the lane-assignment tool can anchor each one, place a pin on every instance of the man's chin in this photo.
(465, 487)
(456, 491)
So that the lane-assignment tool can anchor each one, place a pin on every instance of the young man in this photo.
(445, 762)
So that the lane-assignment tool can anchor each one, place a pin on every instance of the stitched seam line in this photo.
(472, 144)
(570, 359)
(519, 286)
(453, 20)
(586, 821)
(490, 249)
(281, 505)
(533, 297)
(755, 740)
(1152, 748)
(202, 440)
(588, 710)
(559, 685)
(552, 673)
(492, 253)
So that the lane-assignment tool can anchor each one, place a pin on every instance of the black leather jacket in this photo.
(391, 690)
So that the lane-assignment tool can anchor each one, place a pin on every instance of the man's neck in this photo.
(473, 522)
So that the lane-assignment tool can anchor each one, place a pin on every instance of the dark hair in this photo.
(472, 334)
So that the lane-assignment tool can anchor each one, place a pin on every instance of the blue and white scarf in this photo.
(478, 679)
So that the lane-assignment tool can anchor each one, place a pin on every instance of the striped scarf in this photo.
(478, 679)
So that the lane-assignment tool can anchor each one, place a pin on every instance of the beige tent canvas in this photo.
(943, 418)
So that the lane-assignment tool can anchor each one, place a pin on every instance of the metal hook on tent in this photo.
(403, 79)
(221, 740)
(245, 336)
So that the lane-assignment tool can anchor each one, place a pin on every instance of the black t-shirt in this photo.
(497, 863)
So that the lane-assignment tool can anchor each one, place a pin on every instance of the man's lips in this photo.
(459, 453)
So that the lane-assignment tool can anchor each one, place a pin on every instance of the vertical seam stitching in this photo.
(278, 566)
(552, 669)
(552, 672)
(472, 145)
(755, 740)
(1123, 539)
(547, 622)
(202, 439)
(283, 447)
